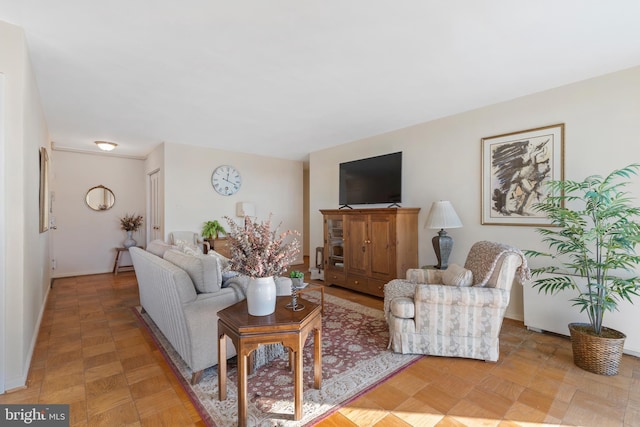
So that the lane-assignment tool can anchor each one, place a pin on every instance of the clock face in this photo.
(226, 180)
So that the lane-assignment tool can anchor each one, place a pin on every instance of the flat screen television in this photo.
(371, 180)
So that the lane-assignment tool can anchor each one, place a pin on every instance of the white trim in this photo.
(55, 147)
(21, 381)
(3, 309)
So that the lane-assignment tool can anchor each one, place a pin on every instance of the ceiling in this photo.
(287, 77)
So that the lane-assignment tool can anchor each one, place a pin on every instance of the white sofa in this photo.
(182, 294)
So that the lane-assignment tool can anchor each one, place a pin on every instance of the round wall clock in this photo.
(226, 180)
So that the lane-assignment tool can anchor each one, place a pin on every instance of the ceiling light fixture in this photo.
(106, 145)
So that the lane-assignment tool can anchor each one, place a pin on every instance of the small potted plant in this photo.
(212, 229)
(594, 239)
(297, 278)
(130, 224)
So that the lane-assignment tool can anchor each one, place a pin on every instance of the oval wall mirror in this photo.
(100, 198)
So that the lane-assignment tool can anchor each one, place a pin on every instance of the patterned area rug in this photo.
(354, 360)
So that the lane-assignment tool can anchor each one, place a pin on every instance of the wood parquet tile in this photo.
(91, 353)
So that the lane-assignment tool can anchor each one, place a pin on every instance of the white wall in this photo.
(25, 273)
(441, 158)
(85, 240)
(273, 185)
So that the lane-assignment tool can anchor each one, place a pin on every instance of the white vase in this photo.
(129, 240)
(261, 296)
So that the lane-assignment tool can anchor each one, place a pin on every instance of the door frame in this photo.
(3, 311)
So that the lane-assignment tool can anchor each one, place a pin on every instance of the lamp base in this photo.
(442, 245)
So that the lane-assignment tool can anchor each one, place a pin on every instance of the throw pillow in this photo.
(222, 260)
(158, 247)
(203, 270)
(188, 248)
(456, 275)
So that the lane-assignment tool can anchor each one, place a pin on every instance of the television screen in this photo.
(372, 180)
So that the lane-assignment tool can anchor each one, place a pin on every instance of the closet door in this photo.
(155, 212)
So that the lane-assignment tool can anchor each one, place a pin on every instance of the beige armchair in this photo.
(190, 238)
(456, 312)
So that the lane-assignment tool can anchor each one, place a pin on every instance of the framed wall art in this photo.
(515, 167)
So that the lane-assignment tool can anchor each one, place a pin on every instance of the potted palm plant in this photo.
(596, 233)
(212, 229)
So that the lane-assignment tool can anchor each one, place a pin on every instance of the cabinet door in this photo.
(357, 244)
(334, 243)
(382, 246)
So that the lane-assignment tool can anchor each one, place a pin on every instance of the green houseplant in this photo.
(596, 233)
(297, 277)
(211, 229)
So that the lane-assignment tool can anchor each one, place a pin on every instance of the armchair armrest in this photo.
(206, 247)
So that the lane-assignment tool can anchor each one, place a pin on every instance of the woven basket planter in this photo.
(600, 355)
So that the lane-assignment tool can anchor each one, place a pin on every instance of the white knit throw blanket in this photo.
(483, 258)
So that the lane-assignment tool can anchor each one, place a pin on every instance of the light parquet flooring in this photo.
(91, 353)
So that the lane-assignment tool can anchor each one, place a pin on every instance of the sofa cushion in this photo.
(158, 247)
(204, 270)
(456, 275)
(424, 275)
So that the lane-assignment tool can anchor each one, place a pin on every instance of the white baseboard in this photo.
(21, 380)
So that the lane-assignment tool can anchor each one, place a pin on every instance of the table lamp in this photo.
(442, 215)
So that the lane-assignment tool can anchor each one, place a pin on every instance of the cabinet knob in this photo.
(356, 282)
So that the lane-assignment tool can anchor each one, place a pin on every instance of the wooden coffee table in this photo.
(291, 328)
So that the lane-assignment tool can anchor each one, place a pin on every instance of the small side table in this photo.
(291, 328)
(116, 265)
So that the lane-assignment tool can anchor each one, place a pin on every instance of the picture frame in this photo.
(44, 190)
(515, 167)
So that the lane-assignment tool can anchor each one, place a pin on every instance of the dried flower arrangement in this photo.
(256, 251)
(131, 222)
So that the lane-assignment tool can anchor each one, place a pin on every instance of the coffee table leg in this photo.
(222, 367)
(297, 384)
(242, 389)
(317, 358)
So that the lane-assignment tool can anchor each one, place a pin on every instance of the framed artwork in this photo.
(44, 190)
(515, 167)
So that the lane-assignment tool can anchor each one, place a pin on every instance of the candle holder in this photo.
(293, 305)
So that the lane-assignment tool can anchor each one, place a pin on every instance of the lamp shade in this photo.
(244, 209)
(442, 215)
